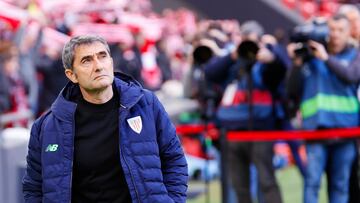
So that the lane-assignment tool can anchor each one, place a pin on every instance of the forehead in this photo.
(89, 49)
(343, 23)
(353, 15)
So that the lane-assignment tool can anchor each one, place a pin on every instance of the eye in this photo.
(104, 55)
(85, 61)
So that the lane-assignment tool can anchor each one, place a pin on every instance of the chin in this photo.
(102, 85)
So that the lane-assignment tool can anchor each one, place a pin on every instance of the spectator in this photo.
(14, 96)
(29, 40)
(4, 83)
(49, 67)
(127, 59)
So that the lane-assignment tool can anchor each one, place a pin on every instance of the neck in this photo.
(99, 96)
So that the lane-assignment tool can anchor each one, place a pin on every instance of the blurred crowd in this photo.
(243, 78)
(151, 47)
(34, 32)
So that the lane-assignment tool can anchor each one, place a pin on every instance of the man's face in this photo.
(92, 67)
(354, 18)
(339, 32)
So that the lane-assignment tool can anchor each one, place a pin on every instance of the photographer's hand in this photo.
(297, 61)
(264, 55)
(290, 48)
(268, 39)
(319, 50)
(234, 55)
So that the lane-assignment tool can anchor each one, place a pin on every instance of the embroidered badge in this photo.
(135, 124)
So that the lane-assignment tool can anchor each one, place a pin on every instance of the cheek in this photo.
(81, 78)
(335, 35)
(109, 64)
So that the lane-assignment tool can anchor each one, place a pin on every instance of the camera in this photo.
(317, 31)
(202, 54)
(247, 51)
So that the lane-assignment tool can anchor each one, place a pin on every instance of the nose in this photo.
(98, 65)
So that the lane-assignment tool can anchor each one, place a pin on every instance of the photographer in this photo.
(208, 93)
(326, 102)
(350, 73)
(255, 70)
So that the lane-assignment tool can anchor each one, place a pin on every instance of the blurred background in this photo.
(165, 45)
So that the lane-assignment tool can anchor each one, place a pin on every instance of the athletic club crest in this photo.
(135, 124)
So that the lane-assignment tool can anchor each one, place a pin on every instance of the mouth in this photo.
(99, 77)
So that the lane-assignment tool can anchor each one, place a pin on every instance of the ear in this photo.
(71, 75)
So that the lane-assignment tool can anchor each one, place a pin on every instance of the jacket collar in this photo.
(64, 107)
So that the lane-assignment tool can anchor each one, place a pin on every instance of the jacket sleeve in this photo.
(173, 162)
(274, 73)
(32, 181)
(350, 74)
(217, 69)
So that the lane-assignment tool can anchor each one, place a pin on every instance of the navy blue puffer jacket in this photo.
(153, 161)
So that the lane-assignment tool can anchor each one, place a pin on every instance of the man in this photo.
(105, 139)
(250, 105)
(351, 74)
(328, 102)
(353, 15)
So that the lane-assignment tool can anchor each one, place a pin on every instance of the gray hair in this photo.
(347, 8)
(68, 53)
(251, 26)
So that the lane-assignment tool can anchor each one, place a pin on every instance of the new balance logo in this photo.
(51, 148)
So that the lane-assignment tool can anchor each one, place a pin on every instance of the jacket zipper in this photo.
(72, 160)
(126, 163)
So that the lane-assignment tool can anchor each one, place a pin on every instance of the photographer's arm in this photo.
(349, 74)
(218, 68)
(275, 68)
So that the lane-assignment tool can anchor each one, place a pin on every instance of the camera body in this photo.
(316, 30)
(202, 54)
(247, 51)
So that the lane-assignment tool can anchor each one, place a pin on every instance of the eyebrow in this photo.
(102, 53)
(86, 57)
(90, 56)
